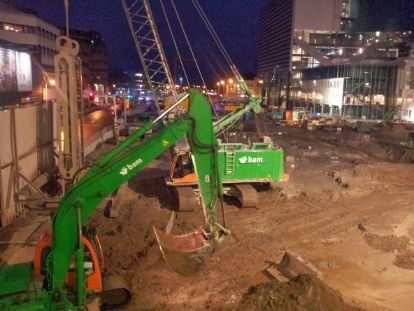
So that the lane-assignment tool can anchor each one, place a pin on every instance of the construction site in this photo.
(345, 210)
(253, 208)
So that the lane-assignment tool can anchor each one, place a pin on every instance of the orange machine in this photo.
(93, 260)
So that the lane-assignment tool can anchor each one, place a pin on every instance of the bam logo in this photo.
(249, 159)
(128, 167)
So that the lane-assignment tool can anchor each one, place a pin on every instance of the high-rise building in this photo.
(330, 68)
(275, 37)
(94, 56)
(285, 30)
(281, 20)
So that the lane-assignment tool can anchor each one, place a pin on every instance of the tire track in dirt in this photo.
(332, 222)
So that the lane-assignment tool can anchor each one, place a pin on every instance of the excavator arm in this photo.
(223, 123)
(253, 104)
(117, 167)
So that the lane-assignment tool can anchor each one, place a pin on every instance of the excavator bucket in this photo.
(185, 253)
(292, 265)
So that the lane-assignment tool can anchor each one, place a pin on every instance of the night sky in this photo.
(386, 15)
(235, 21)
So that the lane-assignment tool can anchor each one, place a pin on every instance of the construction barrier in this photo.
(26, 140)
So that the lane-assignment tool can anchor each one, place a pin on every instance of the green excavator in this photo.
(240, 166)
(66, 272)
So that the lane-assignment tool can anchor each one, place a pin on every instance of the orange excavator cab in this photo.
(181, 170)
(93, 260)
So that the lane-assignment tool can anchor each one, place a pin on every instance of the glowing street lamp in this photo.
(47, 82)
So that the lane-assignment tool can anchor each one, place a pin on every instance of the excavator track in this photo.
(186, 199)
(116, 293)
(247, 195)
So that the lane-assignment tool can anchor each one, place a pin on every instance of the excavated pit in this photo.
(346, 208)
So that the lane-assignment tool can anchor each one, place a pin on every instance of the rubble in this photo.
(304, 293)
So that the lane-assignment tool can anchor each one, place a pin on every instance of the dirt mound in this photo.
(302, 293)
(129, 238)
(387, 243)
(405, 260)
(393, 131)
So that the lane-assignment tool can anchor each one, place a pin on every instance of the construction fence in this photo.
(26, 151)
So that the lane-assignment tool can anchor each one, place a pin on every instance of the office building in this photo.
(94, 56)
(24, 31)
(285, 30)
(330, 68)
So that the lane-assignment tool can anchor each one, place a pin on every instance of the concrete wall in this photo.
(26, 140)
(98, 138)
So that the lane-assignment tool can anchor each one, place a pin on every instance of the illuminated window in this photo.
(12, 27)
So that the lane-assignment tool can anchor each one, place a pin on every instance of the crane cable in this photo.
(215, 37)
(192, 54)
(221, 47)
(175, 42)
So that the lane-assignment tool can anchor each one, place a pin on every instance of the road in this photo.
(94, 122)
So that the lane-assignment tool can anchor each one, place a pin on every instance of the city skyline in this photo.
(226, 16)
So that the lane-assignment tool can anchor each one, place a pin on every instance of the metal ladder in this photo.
(230, 162)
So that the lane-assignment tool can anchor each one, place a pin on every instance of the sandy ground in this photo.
(347, 209)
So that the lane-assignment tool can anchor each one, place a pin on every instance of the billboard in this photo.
(15, 71)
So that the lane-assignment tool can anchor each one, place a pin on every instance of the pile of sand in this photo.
(304, 293)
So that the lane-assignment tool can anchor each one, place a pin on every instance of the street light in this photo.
(47, 81)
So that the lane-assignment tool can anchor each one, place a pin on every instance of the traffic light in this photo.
(91, 96)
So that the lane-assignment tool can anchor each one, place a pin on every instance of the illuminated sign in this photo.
(15, 71)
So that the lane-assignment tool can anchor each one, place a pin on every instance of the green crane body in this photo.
(18, 289)
(238, 163)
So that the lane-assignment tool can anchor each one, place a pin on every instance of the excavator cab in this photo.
(181, 164)
(93, 264)
(182, 169)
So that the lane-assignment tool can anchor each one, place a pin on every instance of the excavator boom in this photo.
(105, 176)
